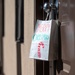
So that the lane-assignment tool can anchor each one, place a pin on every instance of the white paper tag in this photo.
(41, 40)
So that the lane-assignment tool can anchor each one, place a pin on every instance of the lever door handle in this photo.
(19, 21)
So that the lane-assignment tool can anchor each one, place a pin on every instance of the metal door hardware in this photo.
(1, 35)
(52, 7)
(19, 21)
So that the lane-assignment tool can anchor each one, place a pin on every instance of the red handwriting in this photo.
(40, 44)
(43, 28)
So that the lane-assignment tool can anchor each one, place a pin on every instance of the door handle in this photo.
(19, 21)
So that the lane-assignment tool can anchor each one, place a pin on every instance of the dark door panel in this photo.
(67, 18)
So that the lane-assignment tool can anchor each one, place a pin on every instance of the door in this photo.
(67, 19)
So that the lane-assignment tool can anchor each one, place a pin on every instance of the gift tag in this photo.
(41, 40)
